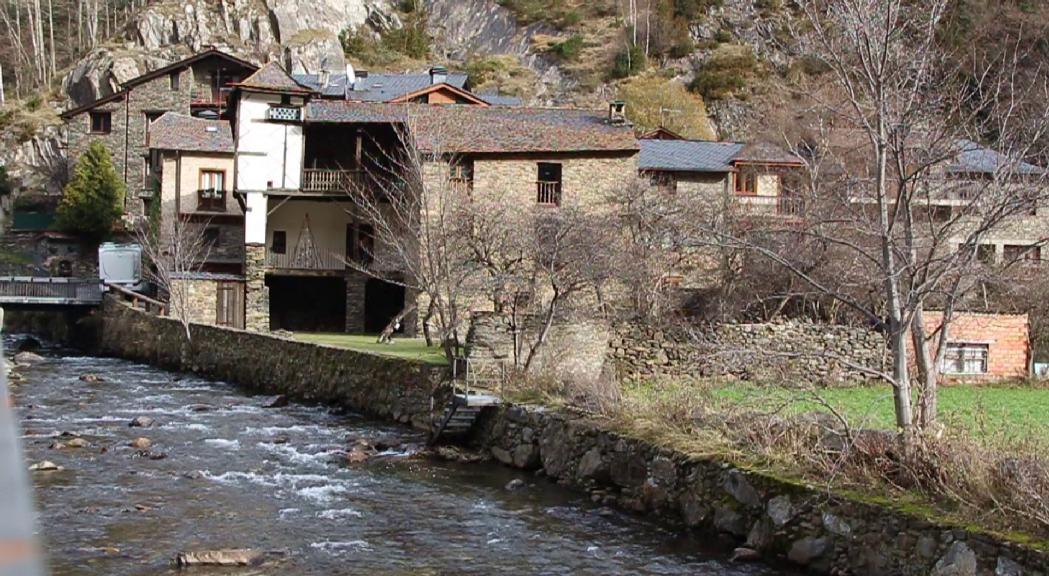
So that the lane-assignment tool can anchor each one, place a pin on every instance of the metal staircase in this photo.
(471, 393)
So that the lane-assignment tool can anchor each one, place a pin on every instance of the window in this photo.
(461, 174)
(211, 196)
(101, 122)
(1023, 254)
(665, 182)
(211, 237)
(279, 245)
(746, 184)
(174, 78)
(548, 184)
(360, 243)
(985, 253)
(965, 358)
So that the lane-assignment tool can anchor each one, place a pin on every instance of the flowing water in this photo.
(237, 474)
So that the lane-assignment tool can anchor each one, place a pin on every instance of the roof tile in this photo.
(174, 131)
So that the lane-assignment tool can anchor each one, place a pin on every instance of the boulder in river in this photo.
(515, 485)
(91, 378)
(141, 422)
(745, 555)
(141, 443)
(77, 443)
(360, 451)
(457, 454)
(28, 358)
(45, 466)
(278, 402)
(232, 557)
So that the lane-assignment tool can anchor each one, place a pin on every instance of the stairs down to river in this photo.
(461, 413)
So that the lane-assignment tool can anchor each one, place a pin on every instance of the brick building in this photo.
(984, 347)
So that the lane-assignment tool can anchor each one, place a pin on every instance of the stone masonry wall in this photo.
(256, 293)
(398, 389)
(787, 350)
(80, 137)
(573, 351)
(822, 532)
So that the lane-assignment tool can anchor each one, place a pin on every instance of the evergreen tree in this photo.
(94, 198)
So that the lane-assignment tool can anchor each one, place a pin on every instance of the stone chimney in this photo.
(617, 112)
(438, 74)
(351, 76)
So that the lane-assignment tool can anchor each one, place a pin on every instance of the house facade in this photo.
(196, 86)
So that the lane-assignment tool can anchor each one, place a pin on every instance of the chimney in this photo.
(351, 77)
(438, 74)
(322, 78)
(617, 112)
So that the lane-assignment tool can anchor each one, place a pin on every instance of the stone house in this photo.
(197, 86)
(297, 151)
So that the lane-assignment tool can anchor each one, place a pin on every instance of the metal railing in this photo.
(329, 181)
(548, 193)
(319, 261)
(43, 290)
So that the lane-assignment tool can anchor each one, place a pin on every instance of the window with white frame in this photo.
(965, 358)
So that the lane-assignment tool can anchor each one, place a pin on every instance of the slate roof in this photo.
(174, 131)
(688, 155)
(974, 158)
(487, 129)
(765, 153)
(376, 86)
(272, 77)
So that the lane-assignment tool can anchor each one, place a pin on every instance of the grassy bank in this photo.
(409, 348)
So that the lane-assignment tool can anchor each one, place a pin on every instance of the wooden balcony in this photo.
(319, 261)
(548, 193)
(327, 181)
(790, 206)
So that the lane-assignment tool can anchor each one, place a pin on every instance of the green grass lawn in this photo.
(995, 413)
(410, 348)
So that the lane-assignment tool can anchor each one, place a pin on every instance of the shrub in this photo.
(411, 39)
(729, 71)
(34, 103)
(94, 198)
(629, 62)
(569, 49)
(652, 102)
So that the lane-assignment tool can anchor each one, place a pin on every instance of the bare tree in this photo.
(175, 250)
(406, 195)
(891, 113)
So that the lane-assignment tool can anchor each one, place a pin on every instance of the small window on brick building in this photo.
(279, 243)
(174, 78)
(746, 184)
(965, 358)
(101, 122)
(1022, 254)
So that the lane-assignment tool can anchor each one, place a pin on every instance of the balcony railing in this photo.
(548, 193)
(318, 261)
(790, 206)
(327, 181)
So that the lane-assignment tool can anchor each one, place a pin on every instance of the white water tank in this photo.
(120, 264)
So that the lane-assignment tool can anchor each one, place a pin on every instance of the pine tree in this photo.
(94, 198)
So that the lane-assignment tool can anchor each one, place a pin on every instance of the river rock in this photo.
(282, 439)
(28, 358)
(91, 378)
(745, 555)
(57, 446)
(278, 402)
(77, 443)
(1007, 567)
(45, 466)
(27, 343)
(238, 557)
(457, 454)
(807, 550)
(959, 560)
(514, 485)
(141, 422)
(141, 443)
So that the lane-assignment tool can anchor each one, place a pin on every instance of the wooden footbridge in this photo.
(33, 291)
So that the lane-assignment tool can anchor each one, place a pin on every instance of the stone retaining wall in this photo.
(394, 388)
(824, 533)
(781, 351)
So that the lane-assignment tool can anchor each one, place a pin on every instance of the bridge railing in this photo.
(137, 300)
(42, 290)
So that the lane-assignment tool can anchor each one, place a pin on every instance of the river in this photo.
(238, 474)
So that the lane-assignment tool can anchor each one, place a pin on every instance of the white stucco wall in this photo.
(269, 154)
(328, 222)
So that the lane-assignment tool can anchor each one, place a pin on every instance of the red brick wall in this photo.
(1007, 337)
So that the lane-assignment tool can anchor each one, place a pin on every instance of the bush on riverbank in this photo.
(970, 473)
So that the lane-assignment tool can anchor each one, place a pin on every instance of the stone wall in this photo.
(398, 389)
(80, 137)
(822, 532)
(256, 293)
(573, 351)
(787, 350)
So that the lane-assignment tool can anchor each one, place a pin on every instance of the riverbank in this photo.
(776, 518)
